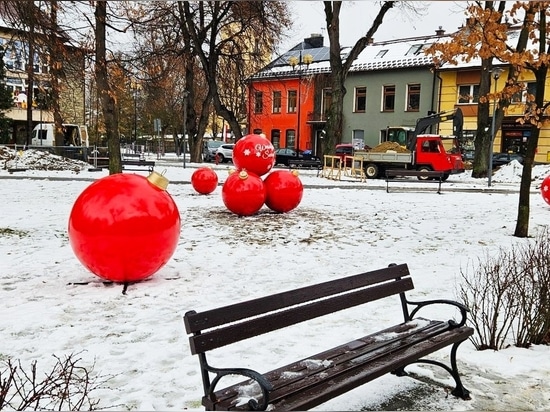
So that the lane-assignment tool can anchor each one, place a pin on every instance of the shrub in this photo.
(509, 295)
(66, 387)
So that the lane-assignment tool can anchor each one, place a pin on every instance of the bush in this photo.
(66, 387)
(509, 295)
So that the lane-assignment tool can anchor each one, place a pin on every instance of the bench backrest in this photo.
(215, 328)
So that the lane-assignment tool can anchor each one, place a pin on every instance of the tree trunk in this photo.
(108, 103)
(522, 223)
(483, 138)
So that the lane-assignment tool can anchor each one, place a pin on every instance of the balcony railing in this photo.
(316, 117)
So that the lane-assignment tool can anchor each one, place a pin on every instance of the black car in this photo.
(292, 158)
(500, 159)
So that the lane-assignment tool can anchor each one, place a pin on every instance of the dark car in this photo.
(292, 158)
(500, 159)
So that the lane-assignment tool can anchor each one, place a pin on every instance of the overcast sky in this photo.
(357, 16)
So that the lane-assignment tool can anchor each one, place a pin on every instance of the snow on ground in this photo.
(51, 305)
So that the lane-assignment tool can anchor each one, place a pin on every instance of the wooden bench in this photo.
(137, 164)
(130, 156)
(305, 163)
(421, 175)
(312, 381)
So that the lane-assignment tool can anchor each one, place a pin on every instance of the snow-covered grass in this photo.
(51, 305)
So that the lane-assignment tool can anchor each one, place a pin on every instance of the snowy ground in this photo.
(51, 305)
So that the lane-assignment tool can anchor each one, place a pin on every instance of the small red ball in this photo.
(204, 180)
(284, 190)
(243, 193)
(254, 153)
(545, 189)
(124, 228)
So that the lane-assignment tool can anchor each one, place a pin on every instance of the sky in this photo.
(357, 16)
(51, 305)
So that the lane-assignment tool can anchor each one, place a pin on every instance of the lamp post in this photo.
(135, 88)
(185, 94)
(496, 72)
(299, 65)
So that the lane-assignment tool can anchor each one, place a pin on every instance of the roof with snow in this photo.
(392, 54)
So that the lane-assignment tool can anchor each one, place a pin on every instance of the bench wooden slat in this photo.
(258, 326)
(195, 322)
(346, 367)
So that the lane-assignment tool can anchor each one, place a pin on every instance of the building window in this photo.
(360, 100)
(381, 54)
(388, 103)
(258, 102)
(413, 97)
(414, 50)
(276, 138)
(292, 99)
(327, 102)
(290, 138)
(528, 89)
(277, 102)
(468, 93)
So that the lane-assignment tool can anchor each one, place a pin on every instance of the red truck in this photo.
(426, 151)
(428, 154)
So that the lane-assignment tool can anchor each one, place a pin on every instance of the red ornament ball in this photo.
(243, 193)
(545, 189)
(125, 227)
(254, 153)
(204, 180)
(284, 190)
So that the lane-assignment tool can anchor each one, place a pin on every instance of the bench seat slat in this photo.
(196, 322)
(352, 364)
(276, 320)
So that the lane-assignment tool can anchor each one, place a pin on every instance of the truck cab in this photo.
(430, 154)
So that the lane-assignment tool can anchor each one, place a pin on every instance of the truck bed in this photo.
(389, 157)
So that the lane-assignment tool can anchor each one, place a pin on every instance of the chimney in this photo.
(314, 41)
(440, 31)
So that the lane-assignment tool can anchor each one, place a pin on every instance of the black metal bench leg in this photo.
(459, 391)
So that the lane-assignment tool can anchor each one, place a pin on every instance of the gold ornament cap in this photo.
(158, 180)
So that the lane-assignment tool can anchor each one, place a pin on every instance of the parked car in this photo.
(225, 153)
(500, 159)
(292, 158)
(209, 149)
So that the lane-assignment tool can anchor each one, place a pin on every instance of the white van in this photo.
(73, 135)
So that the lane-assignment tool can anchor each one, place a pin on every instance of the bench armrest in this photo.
(463, 309)
(265, 385)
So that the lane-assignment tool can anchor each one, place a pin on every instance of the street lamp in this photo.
(135, 88)
(496, 72)
(185, 94)
(300, 65)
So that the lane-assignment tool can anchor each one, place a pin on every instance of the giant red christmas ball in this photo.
(124, 227)
(243, 193)
(545, 189)
(204, 180)
(254, 153)
(284, 190)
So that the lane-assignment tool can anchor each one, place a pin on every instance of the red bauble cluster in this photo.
(125, 227)
(204, 180)
(254, 153)
(545, 189)
(244, 193)
(284, 190)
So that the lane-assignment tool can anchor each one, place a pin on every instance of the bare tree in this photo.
(340, 67)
